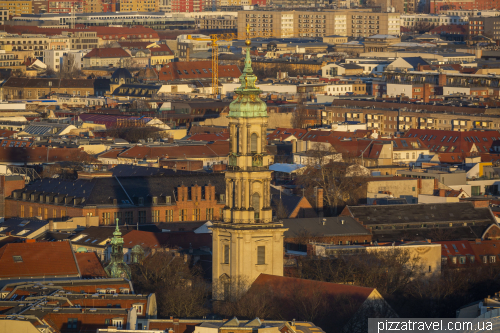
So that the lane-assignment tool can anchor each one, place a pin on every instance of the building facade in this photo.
(286, 24)
(247, 242)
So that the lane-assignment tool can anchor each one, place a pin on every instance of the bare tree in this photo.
(280, 209)
(299, 113)
(180, 289)
(340, 186)
(70, 68)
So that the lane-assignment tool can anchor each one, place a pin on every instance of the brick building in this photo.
(134, 200)
(438, 6)
(7, 185)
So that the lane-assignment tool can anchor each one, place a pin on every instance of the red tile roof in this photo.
(287, 286)
(131, 33)
(86, 321)
(112, 153)
(210, 137)
(440, 141)
(282, 133)
(110, 52)
(216, 149)
(90, 266)
(42, 154)
(470, 248)
(157, 240)
(449, 29)
(6, 133)
(38, 259)
(196, 70)
(156, 51)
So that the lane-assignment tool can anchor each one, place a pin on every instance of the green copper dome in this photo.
(116, 267)
(248, 104)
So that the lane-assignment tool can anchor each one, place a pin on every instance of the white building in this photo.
(338, 89)
(398, 89)
(55, 58)
(409, 21)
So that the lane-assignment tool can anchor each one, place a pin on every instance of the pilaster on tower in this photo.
(247, 242)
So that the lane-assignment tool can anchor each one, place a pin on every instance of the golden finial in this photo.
(248, 42)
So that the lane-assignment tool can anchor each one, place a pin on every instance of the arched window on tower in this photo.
(256, 204)
(253, 143)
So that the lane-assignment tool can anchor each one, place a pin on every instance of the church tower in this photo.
(247, 242)
(116, 267)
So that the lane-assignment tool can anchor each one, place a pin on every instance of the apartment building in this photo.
(398, 6)
(216, 22)
(416, 20)
(9, 60)
(138, 6)
(368, 24)
(486, 26)
(377, 115)
(286, 24)
(16, 8)
(64, 7)
(34, 44)
(83, 40)
(4, 15)
(438, 6)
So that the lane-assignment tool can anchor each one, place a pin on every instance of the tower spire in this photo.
(117, 267)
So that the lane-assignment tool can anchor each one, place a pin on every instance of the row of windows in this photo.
(261, 255)
(184, 215)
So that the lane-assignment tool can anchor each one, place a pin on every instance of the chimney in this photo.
(51, 225)
(319, 201)
(427, 92)
(442, 79)
(436, 184)
(294, 146)
(442, 192)
(428, 240)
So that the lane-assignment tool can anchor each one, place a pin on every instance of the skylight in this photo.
(17, 258)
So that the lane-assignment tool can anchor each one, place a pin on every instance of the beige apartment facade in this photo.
(31, 43)
(287, 24)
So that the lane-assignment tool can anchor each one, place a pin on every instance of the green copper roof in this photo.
(116, 267)
(248, 104)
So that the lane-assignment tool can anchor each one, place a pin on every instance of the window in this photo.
(106, 218)
(261, 255)
(182, 214)
(118, 322)
(226, 254)
(117, 215)
(462, 260)
(196, 214)
(253, 144)
(138, 307)
(256, 204)
(169, 215)
(485, 259)
(210, 213)
(22, 211)
(155, 216)
(129, 217)
(72, 323)
(142, 216)
(492, 259)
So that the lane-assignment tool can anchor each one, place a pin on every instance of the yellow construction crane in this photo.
(215, 56)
